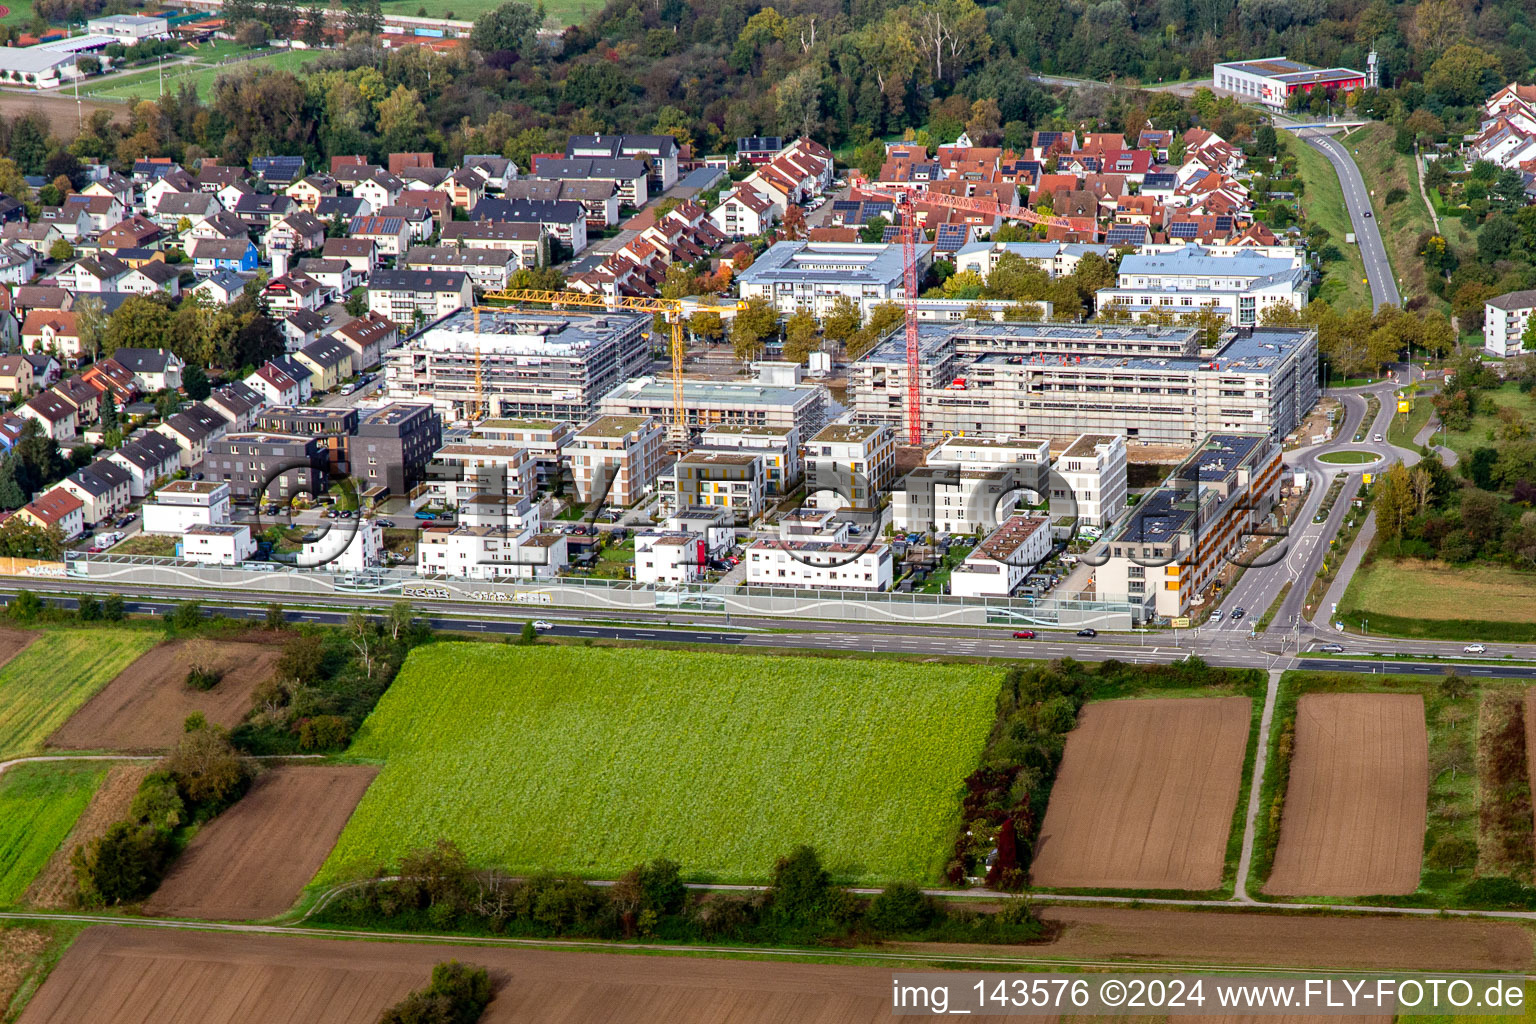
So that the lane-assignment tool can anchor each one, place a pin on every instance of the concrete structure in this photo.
(1093, 468)
(971, 485)
(813, 275)
(464, 470)
(181, 504)
(615, 459)
(1002, 561)
(1271, 81)
(546, 441)
(392, 447)
(518, 363)
(220, 544)
(353, 546)
(1188, 280)
(262, 465)
(1168, 550)
(1059, 381)
(778, 447)
(849, 465)
(1505, 319)
(710, 404)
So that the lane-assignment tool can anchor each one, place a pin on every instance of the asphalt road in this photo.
(1357, 201)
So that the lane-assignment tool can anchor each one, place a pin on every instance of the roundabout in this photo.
(1349, 457)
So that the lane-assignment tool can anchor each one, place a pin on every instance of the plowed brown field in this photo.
(1145, 794)
(1356, 803)
(14, 641)
(253, 860)
(143, 708)
(118, 975)
(1530, 740)
(1361, 942)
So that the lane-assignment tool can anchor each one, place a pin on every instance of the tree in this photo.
(755, 322)
(140, 322)
(1462, 75)
(401, 617)
(22, 538)
(61, 250)
(194, 381)
(1528, 336)
(274, 618)
(707, 326)
(1394, 502)
(529, 635)
(800, 888)
(112, 609)
(362, 633)
(402, 119)
(92, 324)
(800, 336)
(1454, 686)
(842, 320)
(365, 16)
(798, 99)
(1451, 853)
(207, 768)
(509, 28)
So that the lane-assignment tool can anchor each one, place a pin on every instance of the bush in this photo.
(208, 770)
(88, 608)
(158, 802)
(457, 994)
(187, 615)
(122, 866)
(25, 606)
(112, 608)
(800, 887)
(900, 908)
(1396, 195)
(203, 678)
(324, 732)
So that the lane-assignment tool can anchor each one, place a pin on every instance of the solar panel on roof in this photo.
(1223, 222)
(1183, 229)
(1127, 234)
(891, 234)
(846, 204)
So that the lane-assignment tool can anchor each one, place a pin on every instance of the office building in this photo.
(264, 465)
(1188, 280)
(814, 275)
(1271, 81)
(709, 404)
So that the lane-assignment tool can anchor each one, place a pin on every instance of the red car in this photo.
(1023, 634)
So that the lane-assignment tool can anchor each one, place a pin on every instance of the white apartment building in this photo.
(813, 275)
(671, 558)
(733, 480)
(217, 543)
(820, 564)
(997, 565)
(849, 465)
(482, 466)
(778, 447)
(545, 440)
(716, 525)
(615, 459)
(490, 552)
(971, 484)
(350, 545)
(1093, 467)
(1188, 280)
(1505, 318)
(1058, 259)
(182, 504)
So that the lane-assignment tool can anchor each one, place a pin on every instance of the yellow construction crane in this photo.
(671, 309)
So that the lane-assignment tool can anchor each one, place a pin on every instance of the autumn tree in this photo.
(800, 336)
(752, 326)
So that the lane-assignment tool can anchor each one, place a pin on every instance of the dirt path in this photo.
(54, 887)
(1256, 787)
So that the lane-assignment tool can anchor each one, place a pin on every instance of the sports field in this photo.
(199, 72)
(38, 806)
(590, 760)
(49, 681)
(557, 13)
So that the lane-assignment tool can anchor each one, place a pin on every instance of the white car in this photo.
(541, 625)
(1377, 437)
(1474, 649)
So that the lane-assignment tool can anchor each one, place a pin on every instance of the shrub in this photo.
(208, 770)
(457, 994)
(800, 887)
(324, 732)
(124, 865)
(25, 606)
(200, 678)
(900, 908)
(89, 609)
(187, 615)
(158, 802)
(112, 608)
(1396, 195)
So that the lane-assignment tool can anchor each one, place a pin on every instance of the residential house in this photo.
(360, 253)
(379, 191)
(600, 198)
(56, 509)
(102, 273)
(335, 274)
(133, 232)
(219, 226)
(308, 192)
(53, 332)
(148, 457)
(659, 151)
(274, 385)
(222, 287)
(238, 403)
(497, 171)
(192, 429)
(209, 255)
(464, 188)
(156, 369)
(261, 211)
(529, 242)
(84, 395)
(488, 269)
(300, 328)
(152, 277)
(566, 221)
(15, 376)
(390, 236)
(113, 376)
(102, 212)
(297, 232)
(743, 212)
(627, 175)
(55, 413)
(369, 336)
(328, 360)
(103, 488)
(296, 291)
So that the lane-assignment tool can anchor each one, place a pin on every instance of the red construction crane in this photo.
(906, 206)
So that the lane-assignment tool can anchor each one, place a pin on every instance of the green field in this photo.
(49, 681)
(557, 13)
(1462, 442)
(1405, 427)
(38, 806)
(200, 73)
(1323, 202)
(1441, 599)
(590, 760)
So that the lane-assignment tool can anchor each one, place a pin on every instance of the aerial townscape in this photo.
(689, 513)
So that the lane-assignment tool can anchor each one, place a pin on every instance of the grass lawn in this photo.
(1440, 597)
(38, 806)
(557, 13)
(1347, 457)
(147, 544)
(1404, 427)
(1322, 201)
(1453, 785)
(201, 76)
(1401, 223)
(20, 13)
(1462, 442)
(590, 760)
(49, 681)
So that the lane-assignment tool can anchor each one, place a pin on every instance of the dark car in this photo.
(1088, 631)
(1239, 613)
(1023, 634)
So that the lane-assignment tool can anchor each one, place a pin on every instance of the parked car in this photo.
(1023, 634)
(424, 514)
(1088, 631)
(1475, 649)
(1216, 615)
(1376, 437)
(386, 523)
